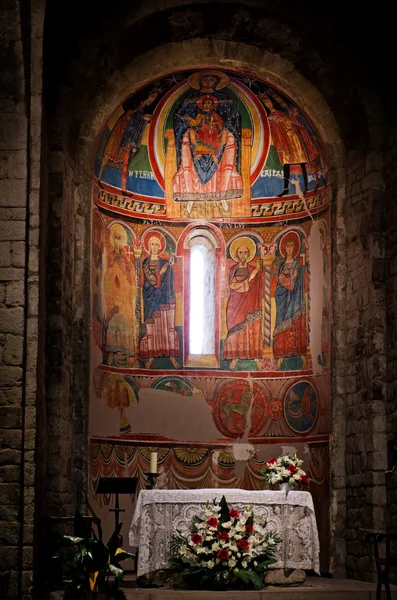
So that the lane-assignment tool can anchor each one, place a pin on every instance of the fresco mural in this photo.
(244, 338)
(222, 163)
(290, 335)
(210, 144)
(141, 289)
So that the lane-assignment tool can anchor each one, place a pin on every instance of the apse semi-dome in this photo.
(211, 144)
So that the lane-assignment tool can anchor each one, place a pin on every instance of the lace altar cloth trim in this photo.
(159, 513)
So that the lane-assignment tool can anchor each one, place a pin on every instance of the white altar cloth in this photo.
(159, 513)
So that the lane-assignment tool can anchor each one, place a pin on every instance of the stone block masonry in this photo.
(20, 44)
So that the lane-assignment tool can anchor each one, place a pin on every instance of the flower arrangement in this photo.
(285, 469)
(225, 549)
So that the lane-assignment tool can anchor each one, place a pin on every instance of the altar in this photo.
(159, 513)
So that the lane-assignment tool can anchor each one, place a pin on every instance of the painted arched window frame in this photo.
(201, 265)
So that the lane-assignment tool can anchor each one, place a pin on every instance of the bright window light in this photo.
(196, 331)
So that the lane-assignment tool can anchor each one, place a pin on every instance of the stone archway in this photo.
(77, 177)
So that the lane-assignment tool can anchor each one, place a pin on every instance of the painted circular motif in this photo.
(301, 406)
(178, 385)
(237, 407)
(260, 411)
(232, 405)
(275, 409)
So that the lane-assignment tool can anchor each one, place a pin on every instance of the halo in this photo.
(288, 237)
(194, 82)
(154, 234)
(119, 229)
(201, 99)
(242, 241)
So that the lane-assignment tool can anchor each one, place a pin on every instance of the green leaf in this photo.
(266, 563)
(123, 556)
(256, 580)
(73, 539)
(241, 574)
(116, 571)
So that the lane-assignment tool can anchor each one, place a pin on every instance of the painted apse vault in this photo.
(210, 285)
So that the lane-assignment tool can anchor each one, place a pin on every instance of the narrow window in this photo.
(196, 319)
(202, 300)
(203, 326)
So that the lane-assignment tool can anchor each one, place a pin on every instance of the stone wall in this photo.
(20, 147)
(366, 355)
(391, 308)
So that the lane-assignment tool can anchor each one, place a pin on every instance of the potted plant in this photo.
(91, 568)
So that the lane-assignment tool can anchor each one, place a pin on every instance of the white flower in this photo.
(227, 524)
(215, 547)
(271, 542)
(244, 564)
(231, 562)
(210, 564)
(255, 563)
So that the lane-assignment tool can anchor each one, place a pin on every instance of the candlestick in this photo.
(153, 462)
(151, 479)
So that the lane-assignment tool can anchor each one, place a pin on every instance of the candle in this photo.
(153, 462)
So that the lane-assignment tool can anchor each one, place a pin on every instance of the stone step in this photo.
(314, 588)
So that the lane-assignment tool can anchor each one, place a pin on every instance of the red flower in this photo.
(272, 461)
(234, 513)
(243, 544)
(292, 469)
(304, 479)
(223, 535)
(213, 522)
(197, 538)
(249, 528)
(222, 555)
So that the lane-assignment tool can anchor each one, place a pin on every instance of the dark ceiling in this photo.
(342, 54)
